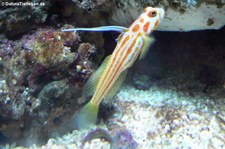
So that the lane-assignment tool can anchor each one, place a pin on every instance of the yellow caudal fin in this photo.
(148, 41)
(116, 86)
(87, 116)
(92, 82)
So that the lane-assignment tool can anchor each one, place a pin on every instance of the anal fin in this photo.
(92, 82)
(116, 86)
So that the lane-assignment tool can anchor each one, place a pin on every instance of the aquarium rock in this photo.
(40, 82)
(184, 15)
(93, 5)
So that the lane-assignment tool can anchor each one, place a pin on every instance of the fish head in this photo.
(150, 19)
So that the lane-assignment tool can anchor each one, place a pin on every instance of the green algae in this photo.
(210, 21)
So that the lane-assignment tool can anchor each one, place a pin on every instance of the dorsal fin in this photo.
(148, 41)
(116, 86)
(98, 29)
(92, 82)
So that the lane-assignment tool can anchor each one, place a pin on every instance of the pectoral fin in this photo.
(92, 82)
(98, 29)
(148, 41)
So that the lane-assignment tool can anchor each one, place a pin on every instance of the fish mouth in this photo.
(161, 13)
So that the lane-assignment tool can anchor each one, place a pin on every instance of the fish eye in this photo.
(154, 13)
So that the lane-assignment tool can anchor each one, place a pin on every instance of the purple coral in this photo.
(122, 139)
(97, 133)
(117, 138)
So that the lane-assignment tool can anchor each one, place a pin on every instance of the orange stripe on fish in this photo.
(105, 82)
(113, 65)
(122, 44)
(119, 66)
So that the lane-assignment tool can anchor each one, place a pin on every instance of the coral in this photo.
(91, 5)
(85, 50)
(83, 65)
(100, 51)
(50, 47)
(40, 83)
(122, 139)
(56, 105)
(99, 136)
(116, 139)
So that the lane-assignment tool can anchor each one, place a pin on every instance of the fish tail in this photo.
(87, 116)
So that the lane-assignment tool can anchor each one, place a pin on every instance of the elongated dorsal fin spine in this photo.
(98, 29)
